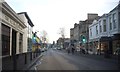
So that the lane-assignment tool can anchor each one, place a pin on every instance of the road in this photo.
(58, 60)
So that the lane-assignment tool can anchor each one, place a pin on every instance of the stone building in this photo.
(84, 30)
(11, 31)
(60, 42)
(81, 30)
(71, 35)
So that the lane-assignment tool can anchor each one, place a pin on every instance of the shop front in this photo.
(116, 42)
(105, 45)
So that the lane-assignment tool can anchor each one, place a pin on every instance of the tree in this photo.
(62, 32)
(44, 36)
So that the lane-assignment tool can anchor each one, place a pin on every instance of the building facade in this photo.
(114, 27)
(76, 34)
(60, 42)
(11, 31)
(71, 35)
(66, 42)
(104, 33)
(81, 30)
(27, 31)
(84, 30)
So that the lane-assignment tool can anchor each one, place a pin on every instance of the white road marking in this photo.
(41, 59)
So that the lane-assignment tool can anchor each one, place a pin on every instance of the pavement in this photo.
(34, 61)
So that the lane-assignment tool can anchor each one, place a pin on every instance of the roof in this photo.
(29, 20)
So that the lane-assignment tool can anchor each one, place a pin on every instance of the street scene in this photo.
(59, 35)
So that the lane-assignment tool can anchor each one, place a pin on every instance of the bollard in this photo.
(118, 61)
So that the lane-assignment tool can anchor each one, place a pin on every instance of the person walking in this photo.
(73, 49)
(68, 50)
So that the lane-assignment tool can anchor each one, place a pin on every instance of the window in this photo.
(96, 30)
(91, 32)
(100, 29)
(100, 26)
(104, 25)
(110, 23)
(5, 40)
(114, 21)
(20, 43)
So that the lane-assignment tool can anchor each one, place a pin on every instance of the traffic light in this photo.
(34, 36)
(83, 39)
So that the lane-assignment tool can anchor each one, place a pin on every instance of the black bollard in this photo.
(119, 61)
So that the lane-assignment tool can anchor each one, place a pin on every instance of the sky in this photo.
(51, 15)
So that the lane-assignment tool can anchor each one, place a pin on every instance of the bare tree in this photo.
(44, 36)
(62, 32)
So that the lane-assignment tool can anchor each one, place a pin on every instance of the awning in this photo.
(102, 39)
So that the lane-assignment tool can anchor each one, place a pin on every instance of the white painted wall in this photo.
(25, 30)
(108, 32)
(103, 33)
(116, 30)
(93, 30)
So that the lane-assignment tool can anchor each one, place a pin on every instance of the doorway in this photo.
(14, 42)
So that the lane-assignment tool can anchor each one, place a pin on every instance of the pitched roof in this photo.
(29, 20)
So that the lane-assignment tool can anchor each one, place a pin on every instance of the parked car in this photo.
(117, 51)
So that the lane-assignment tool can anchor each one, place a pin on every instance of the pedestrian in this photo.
(68, 50)
(73, 49)
(83, 51)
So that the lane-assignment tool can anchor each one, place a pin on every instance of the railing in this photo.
(18, 61)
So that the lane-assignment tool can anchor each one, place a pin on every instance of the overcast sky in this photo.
(51, 15)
